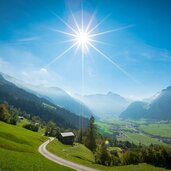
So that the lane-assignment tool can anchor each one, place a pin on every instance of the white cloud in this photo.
(44, 71)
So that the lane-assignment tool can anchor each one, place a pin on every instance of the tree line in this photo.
(9, 114)
(130, 153)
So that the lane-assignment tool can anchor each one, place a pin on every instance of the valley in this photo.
(115, 138)
(138, 132)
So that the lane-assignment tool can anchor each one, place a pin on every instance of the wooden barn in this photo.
(67, 138)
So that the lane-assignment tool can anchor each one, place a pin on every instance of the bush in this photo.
(115, 161)
(32, 126)
(131, 157)
(102, 156)
(157, 155)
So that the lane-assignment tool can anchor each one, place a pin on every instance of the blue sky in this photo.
(28, 43)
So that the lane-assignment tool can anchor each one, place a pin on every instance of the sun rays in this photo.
(83, 36)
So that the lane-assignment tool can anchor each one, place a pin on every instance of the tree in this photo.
(80, 136)
(51, 129)
(4, 113)
(102, 156)
(36, 119)
(131, 157)
(90, 141)
(14, 116)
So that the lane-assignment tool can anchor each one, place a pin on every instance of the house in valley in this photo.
(67, 138)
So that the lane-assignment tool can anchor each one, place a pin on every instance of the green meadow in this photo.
(137, 138)
(162, 130)
(19, 150)
(103, 127)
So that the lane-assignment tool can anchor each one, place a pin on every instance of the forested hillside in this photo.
(36, 106)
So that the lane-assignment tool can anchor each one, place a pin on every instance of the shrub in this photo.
(32, 126)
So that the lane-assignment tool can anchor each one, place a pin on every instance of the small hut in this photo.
(21, 117)
(67, 138)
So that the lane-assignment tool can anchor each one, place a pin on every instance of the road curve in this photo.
(42, 150)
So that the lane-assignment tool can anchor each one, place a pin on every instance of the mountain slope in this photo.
(135, 110)
(37, 106)
(158, 109)
(104, 105)
(54, 94)
(63, 99)
(18, 150)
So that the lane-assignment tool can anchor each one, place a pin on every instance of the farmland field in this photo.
(104, 128)
(162, 130)
(136, 131)
(139, 138)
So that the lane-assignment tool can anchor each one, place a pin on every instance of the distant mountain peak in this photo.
(105, 105)
(168, 89)
(157, 107)
(110, 93)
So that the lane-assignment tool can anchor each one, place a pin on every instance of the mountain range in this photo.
(159, 108)
(55, 95)
(105, 105)
(99, 105)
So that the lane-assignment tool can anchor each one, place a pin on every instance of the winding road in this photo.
(42, 150)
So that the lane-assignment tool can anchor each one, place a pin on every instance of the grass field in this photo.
(80, 154)
(162, 130)
(77, 153)
(19, 150)
(139, 138)
(103, 128)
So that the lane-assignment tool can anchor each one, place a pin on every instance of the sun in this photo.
(83, 38)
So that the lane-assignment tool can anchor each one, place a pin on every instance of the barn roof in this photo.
(67, 134)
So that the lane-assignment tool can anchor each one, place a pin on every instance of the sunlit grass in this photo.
(162, 130)
(137, 138)
(19, 150)
(77, 153)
